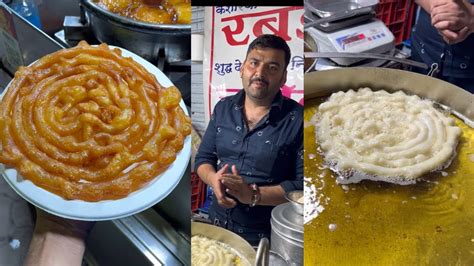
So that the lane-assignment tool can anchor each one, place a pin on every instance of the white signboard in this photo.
(228, 32)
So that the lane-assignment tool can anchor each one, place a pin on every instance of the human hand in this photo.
(237, 187)
(453, 37)
(57, 241)
(454, 19)
(219, 191)
(46, 222)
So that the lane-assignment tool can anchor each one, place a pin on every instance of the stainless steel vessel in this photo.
(287, 233)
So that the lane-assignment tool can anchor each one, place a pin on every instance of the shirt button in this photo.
(240, 230)
(463, 66)
(234, 141)
(269, 180)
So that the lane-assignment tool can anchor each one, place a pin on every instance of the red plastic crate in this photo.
(398, 17)
(197, 192)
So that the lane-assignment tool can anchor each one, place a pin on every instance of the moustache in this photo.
(259, 80)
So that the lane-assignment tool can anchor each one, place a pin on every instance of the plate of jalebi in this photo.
(93, 133)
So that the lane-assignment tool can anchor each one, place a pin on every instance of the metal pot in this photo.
(144, 39)
(277, 260)
(287, 233)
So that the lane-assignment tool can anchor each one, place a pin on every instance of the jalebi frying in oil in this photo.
(151, 11)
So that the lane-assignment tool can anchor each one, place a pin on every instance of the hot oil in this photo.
(376, 223)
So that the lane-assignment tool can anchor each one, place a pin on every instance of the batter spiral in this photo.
(384, 136)
(206, 251)
(86, 123)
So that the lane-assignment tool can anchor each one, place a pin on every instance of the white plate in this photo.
(135, 202)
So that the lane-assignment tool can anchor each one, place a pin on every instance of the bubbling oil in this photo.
(377, 223)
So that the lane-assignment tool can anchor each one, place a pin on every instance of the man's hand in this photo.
(454, 19)
(216, 184)
(453, 37)
(237, 187)
(57, 241)
(51, 223)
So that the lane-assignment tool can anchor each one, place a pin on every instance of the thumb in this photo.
(223, 169)
(234, 170)
(463, 33)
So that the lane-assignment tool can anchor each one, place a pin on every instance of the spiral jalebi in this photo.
(378, 135)
(87, 123)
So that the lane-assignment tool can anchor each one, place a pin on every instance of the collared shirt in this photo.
(269, 154)
(458, 59)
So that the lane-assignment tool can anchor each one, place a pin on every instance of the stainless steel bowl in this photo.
(148, 40)
(293, 197)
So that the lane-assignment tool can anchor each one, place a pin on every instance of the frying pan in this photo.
(142, 38)
(376, 223)
(242, 247)
(323, 83)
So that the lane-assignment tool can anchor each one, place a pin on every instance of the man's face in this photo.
(263, 73)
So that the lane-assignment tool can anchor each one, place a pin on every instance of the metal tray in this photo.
(326, 8)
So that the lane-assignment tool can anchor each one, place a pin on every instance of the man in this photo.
(442, 35)
(252, 151)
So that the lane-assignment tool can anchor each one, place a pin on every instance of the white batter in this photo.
(384, 136)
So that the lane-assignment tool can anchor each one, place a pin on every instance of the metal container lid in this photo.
(287, 222)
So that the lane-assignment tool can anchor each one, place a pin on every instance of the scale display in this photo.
(373, 36)
(361, 39)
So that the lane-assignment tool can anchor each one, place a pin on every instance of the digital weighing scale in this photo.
(350, 27)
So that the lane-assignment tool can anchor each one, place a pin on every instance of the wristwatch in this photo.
(256, 196)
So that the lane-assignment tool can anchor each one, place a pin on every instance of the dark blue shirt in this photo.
(458, 58)
(269, 154)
